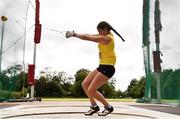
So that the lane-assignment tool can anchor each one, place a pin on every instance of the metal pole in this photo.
(34, 62)
(158, 87)
(4, 19)
(146, 45)
(37, 35)
(24, 47)
(149, 72)
(1, 45)
(158, 27)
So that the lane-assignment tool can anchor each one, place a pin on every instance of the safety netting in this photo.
(161, 43)
(13, 32)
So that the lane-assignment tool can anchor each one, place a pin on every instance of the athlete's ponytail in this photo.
(118, 34)
(104, 24)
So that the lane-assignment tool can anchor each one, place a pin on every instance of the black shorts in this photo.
(107, 70)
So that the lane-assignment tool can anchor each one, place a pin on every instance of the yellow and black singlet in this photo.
(107, 55)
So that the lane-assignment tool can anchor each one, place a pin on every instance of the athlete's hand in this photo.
(70, 34)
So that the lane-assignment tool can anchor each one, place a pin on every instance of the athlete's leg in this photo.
(96, 83)
(100, 98)
(85, 84)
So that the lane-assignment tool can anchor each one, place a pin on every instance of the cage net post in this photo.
(146, 47)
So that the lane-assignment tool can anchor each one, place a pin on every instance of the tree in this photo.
(14, 70)
(53, 89)
(21, 81)
(140, 88)
(129, 90)
(59, 83)
(136, 88)
(16, 76)
(40, 87)
(13, 81)
(172, 85)
(64, 81)
(163, 78)
(4, 80)
(77, 89)
(119, 94)
(108, 90)
(46, 88)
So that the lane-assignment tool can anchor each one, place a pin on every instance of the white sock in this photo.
(108, 106)
(94, 105)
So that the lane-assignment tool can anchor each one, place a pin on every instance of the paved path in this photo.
(75, 110)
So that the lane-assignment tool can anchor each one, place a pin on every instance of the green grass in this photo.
(86, 99)
(171, 101)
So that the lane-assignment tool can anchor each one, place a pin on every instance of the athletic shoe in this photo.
(92, 110)
(106, 111)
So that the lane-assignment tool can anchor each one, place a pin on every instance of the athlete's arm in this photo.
(95, 38)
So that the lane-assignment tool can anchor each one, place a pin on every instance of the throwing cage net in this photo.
(13, 74)
(161, 30)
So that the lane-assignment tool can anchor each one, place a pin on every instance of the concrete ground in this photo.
(75, 110)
